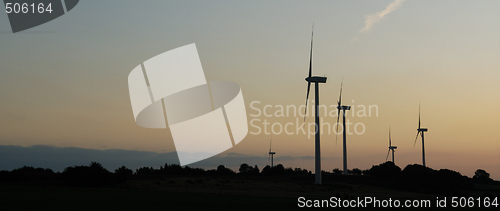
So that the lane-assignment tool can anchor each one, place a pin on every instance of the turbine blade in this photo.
(418, 115)
(387, 155)
(337, 130)
(311, 53)
(270, 143)
(390, 142)
(340, 96)
(338, 108)
(416, 139)
(307, 99)
(310, 72)
(338, 118)
(336, 137)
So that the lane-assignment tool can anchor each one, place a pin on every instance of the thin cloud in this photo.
(374, 18)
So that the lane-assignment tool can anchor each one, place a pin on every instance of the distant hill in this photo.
(58, 158)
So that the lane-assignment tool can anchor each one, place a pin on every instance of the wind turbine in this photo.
(420, 131)
(343, 108)
(316, 80)
(271, 153)
(391, 148)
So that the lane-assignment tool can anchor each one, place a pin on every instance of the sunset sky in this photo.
(64, 83)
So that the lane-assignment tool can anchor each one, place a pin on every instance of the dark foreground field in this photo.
(206, 193)
(64, 198)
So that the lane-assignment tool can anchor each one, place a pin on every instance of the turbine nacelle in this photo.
(316, 79)
(422, 129)
(344, 107)
(393, 147)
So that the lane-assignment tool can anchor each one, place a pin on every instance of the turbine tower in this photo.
(343, 108)
(391, 148)
(420, 131)
(271, 153)
(316, 80)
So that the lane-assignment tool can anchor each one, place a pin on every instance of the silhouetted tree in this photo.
(355, 171)
(366, 172)
(337, 171)
(417, 172)
(278, 169)
(145, 171)
(386, 170)
(444, 181)
(299, 171)
(222, 170)
(266, 170)
(193, 171)
(174, 169)
(289, 171)
(481, 176)
(123, 173)
(451, 180)
(92, 175)
(256, 170)
(245, 168)
(29, 173)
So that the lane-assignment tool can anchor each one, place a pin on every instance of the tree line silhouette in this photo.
(412, 178)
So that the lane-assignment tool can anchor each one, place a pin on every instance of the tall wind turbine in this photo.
(391, 148)
(343, 108)
(271, 153)
(316, 80)
(420, 131)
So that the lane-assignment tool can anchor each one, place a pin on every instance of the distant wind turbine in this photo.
(271, 153)
(316, 80)
(343, 108)
(420, 131)
(391, 148)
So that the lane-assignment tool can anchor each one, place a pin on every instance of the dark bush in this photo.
(88, 176)
(123, 174)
